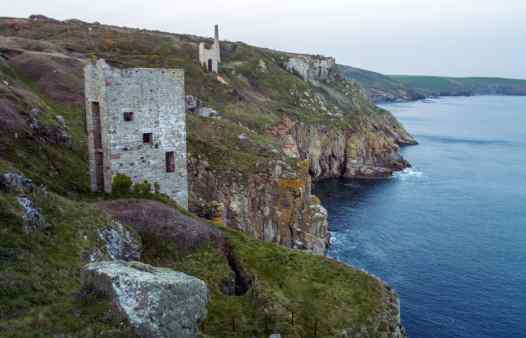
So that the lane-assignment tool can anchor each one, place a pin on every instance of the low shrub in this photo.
(121, 185)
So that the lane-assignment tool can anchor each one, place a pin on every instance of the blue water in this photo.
(449, 234)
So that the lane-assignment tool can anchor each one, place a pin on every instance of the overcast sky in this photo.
(435, 37)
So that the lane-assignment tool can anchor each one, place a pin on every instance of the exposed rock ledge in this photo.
(334, 153)
(275, 206)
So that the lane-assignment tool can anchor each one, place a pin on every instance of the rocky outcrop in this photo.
(13, 182)
(116, 242)
(50, 133)
(337, 152)
(275, 206)
(120, 243)
(156, 302)
(32, 216)
(312, 68)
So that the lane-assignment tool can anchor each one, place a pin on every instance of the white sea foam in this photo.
(408, 173)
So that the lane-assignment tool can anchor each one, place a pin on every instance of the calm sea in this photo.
(450, 233)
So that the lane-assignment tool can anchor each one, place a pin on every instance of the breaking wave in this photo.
(408, 173)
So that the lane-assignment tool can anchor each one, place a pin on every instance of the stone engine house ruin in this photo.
(209, 58)
(136, 127)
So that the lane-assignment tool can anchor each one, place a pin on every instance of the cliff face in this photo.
(275, 206)
(337, 152)
(363, 144)
(251, 166)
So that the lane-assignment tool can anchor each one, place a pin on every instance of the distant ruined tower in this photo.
(210, 57)
(137, 127)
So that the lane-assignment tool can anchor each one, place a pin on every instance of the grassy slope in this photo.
(435, 85)
(255, 96)
(39, 273)
(380, 87)
(291, 291)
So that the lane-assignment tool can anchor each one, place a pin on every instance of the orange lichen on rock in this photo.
(291, 184)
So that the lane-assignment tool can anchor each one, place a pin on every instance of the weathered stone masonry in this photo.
(210, 57)
(136, 126)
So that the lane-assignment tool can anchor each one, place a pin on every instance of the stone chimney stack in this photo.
(216, 35)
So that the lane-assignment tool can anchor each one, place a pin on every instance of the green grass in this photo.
(292, 292)
(39, 272)
(436, 85)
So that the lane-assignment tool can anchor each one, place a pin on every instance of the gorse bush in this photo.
(121, 185)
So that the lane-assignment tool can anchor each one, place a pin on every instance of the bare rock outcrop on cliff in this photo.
(338, 152)
(356, 139)
(275, 206)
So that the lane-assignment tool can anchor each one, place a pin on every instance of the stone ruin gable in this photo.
(209, 58)
(156, 99)
(312, 68)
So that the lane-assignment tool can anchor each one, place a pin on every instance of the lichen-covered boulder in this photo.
(156, 302)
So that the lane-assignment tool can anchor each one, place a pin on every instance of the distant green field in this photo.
(435, 85)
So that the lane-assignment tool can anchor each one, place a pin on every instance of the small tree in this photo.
(121, 185)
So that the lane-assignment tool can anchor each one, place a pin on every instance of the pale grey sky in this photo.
(434, 37)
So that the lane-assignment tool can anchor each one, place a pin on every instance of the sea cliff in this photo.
(260, 131)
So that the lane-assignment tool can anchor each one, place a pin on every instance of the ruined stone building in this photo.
(136, 127)
(210, 57)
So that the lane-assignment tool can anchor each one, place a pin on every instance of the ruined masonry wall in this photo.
(157, 99)
(213, 53)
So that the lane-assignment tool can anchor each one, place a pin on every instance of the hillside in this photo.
(389, 88)
(279, 123)
(379, 87)
(275, 130)
(453, 86)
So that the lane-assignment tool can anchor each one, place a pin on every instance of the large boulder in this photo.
(156, 302)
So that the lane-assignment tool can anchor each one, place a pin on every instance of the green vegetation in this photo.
(435, 85)
(379, 87)
(290, 292)
(39, 273)
(382, 87)
(121, 185)
(286, 291)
